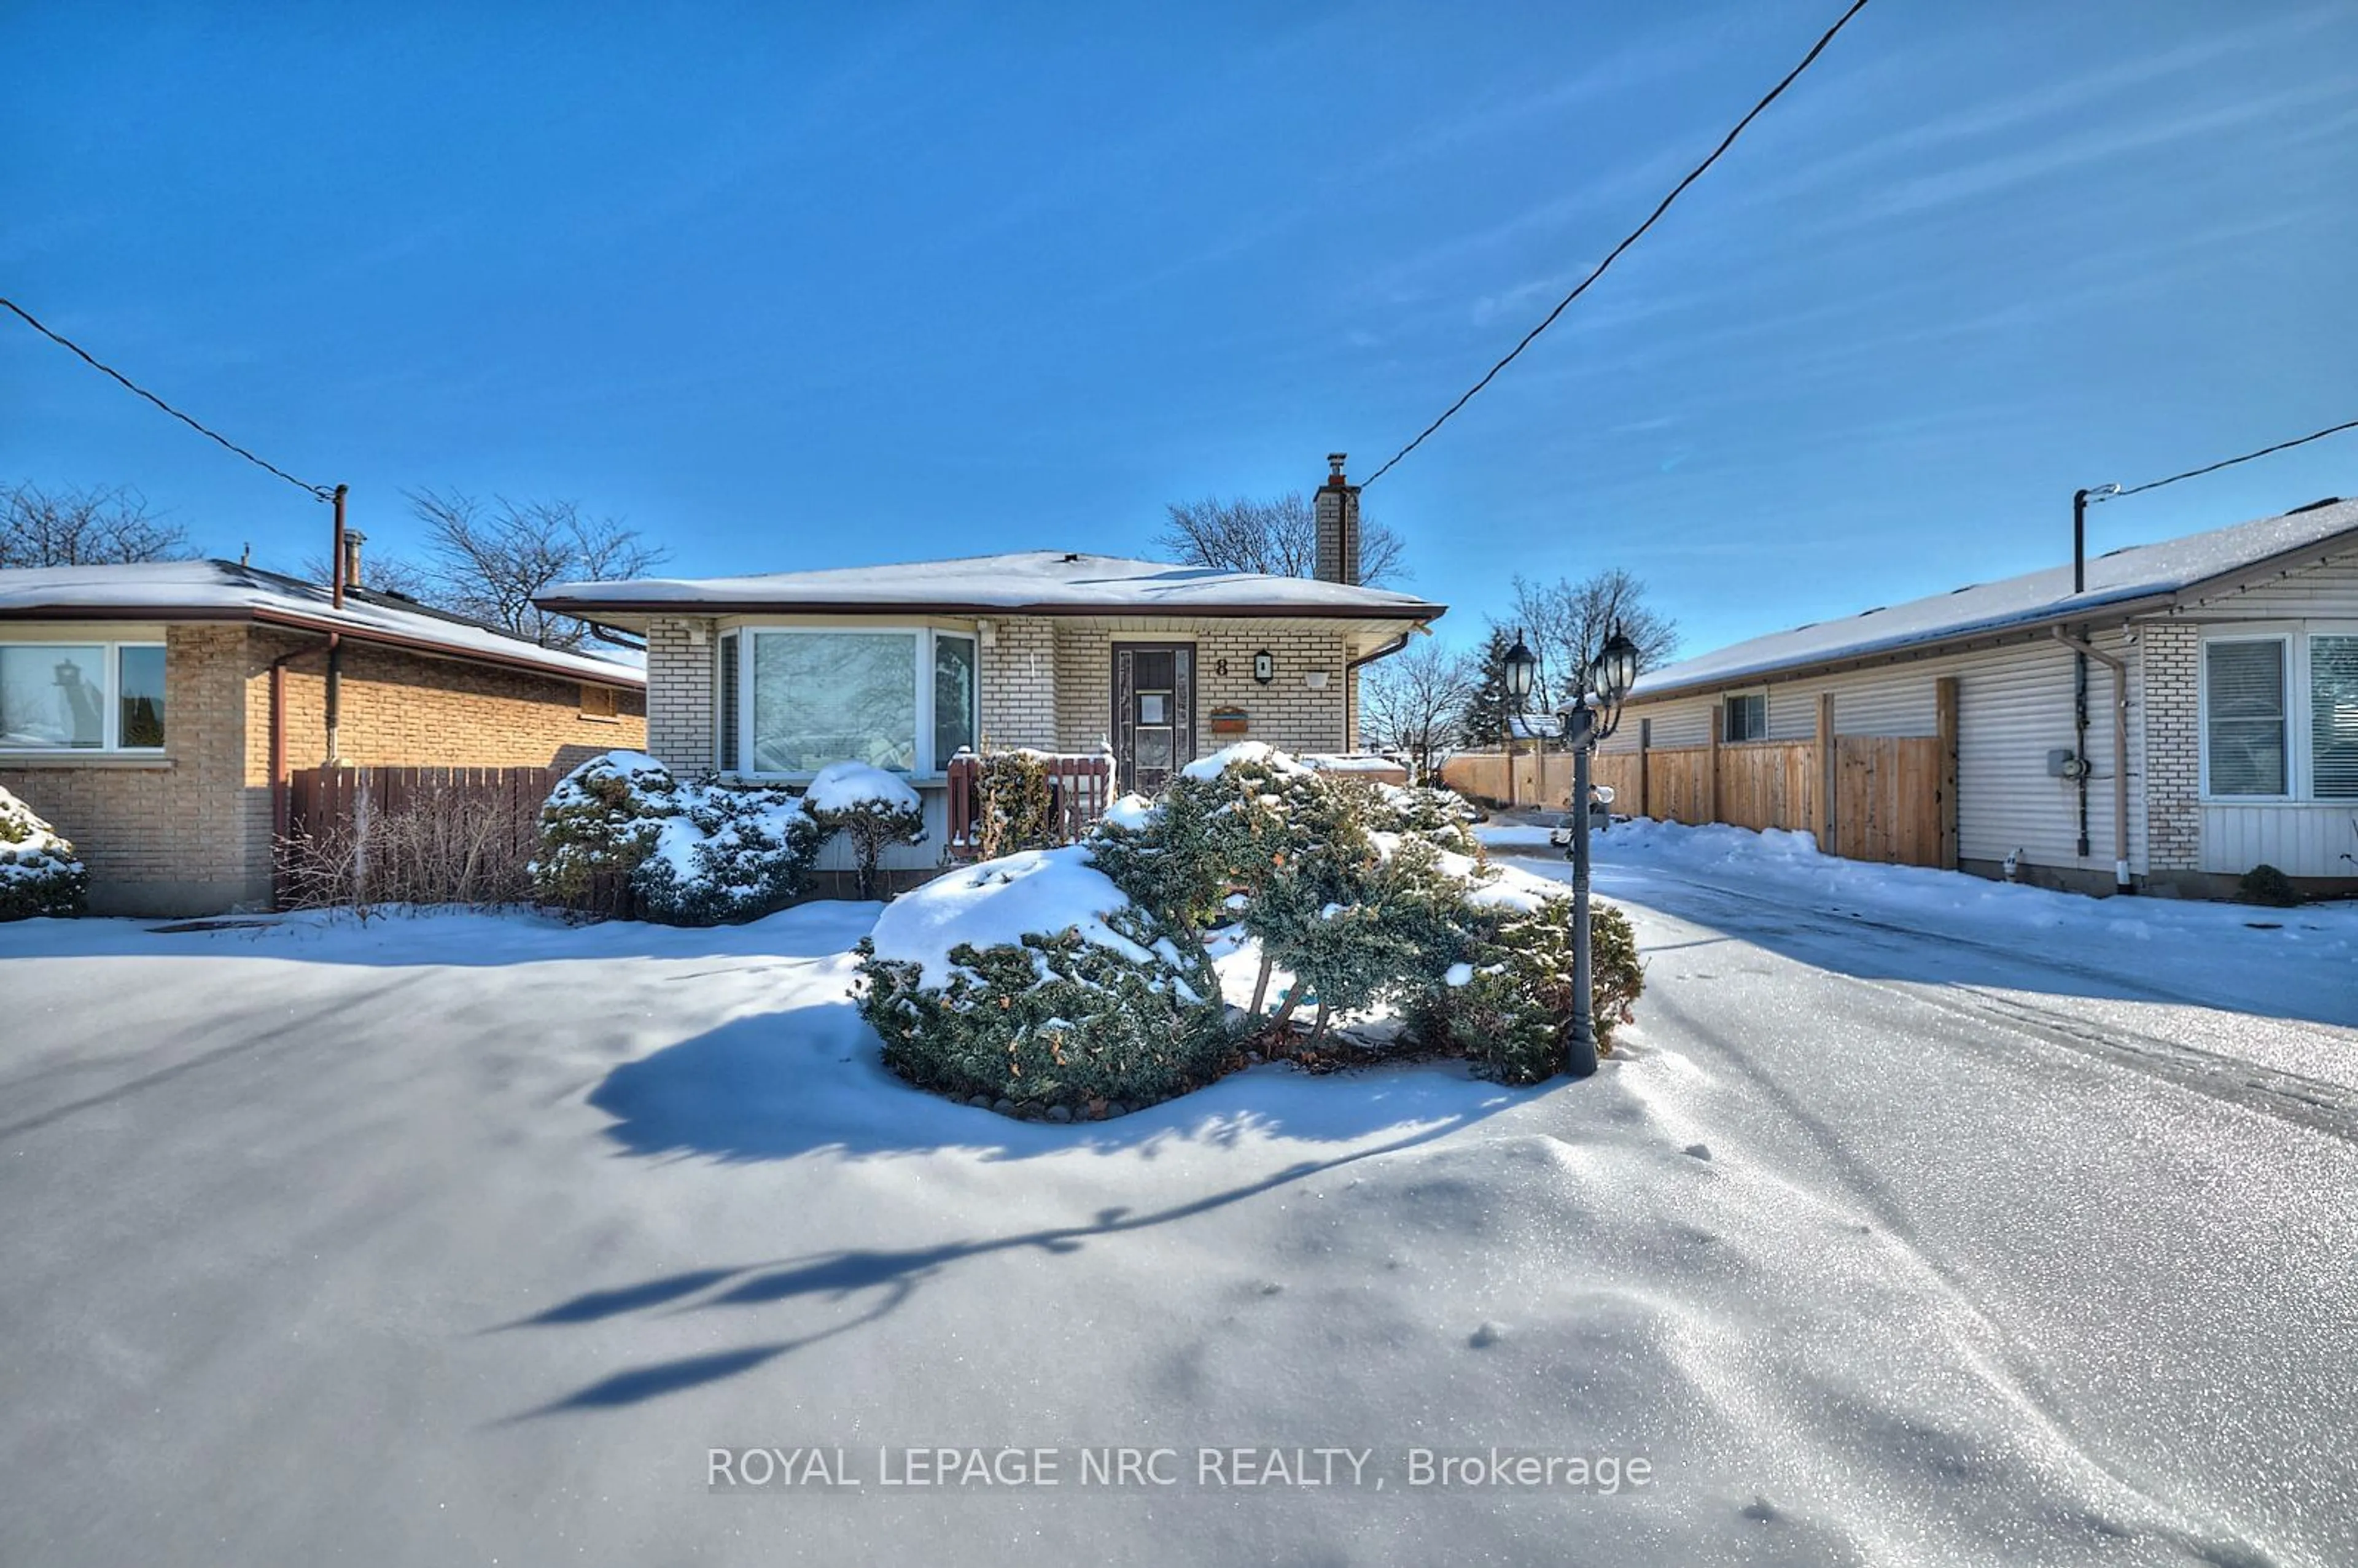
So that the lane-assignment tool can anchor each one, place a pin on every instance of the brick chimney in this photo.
(1336, 508)
(354, 540)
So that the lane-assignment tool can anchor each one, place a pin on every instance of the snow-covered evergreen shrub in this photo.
(600, 821)
(39, 873)
(620, 835)
(1507, 1004)
(1034, 980)
(1015, 807)
(1441, 817)
(1356, 927)
(1182, 854)
(734, 852)
(871, 807)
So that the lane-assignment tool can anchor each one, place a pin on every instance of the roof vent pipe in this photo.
(2080, 499)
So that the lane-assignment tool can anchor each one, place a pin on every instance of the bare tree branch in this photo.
(1278, 536)
(1566, 623)
(491, 561)
(1414, 702)
(84, 527)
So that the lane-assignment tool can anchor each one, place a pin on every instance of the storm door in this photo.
(1153, 712)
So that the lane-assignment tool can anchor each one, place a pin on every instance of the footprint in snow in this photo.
(1697, 1152)
(1487, 1336)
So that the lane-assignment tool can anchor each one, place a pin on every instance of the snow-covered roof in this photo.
(1044, 582)
(225, 590)
(2119, 582)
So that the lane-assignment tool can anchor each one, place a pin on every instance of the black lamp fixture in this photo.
(1523, 671)
(1611, 674)
(1264, 667)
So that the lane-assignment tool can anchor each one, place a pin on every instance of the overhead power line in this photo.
(1676, 192)
(316, 492)
(2231, 462)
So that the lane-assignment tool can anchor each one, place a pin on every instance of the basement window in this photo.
(81, 697)
(1748, 717)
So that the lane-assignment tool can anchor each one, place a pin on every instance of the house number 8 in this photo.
(1219, 666)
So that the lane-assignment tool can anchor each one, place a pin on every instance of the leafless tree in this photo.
(1414, 702)
(83, 527)
(492, 560)
(385, 574)
(1566, 623)
(1279, 538)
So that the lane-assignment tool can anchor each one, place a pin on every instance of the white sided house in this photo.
(1124, 670)
(2191, 713)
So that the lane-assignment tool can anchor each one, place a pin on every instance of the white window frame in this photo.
(1727, 700)
(112, 725)
(2296, 674)
(930, 769)
(2305, 717)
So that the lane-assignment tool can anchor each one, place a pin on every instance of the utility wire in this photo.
(2230, 462)
(1676, 192)
(316, 492)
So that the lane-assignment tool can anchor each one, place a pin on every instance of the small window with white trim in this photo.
(81, 697)
(1748, 717)
(2244, 751)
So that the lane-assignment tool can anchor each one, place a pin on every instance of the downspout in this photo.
(2120, 668)
(2080, 660)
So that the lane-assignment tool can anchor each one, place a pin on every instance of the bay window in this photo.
(81, 697)
(793, 699)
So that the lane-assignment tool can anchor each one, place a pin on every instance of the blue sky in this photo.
(802, 286)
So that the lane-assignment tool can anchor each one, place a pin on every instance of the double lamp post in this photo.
(1610, 676)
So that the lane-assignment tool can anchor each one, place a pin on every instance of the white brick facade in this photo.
(2170, 654)
(679, 693)
(1018, 681)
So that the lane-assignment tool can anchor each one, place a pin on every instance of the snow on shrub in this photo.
(1032, 979)
(1507, 1005)
(620, 833)
(735, 852)
(40, 873)
(870, 806)
(1441, 817)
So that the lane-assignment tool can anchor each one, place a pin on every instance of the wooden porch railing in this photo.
(1079, 790)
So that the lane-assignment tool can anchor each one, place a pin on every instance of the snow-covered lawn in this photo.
(467, 1237)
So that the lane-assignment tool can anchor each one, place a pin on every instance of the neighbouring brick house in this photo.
(152, 712)
(774, 677)
(2187, 712)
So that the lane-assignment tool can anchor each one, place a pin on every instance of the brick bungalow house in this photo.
(2178, 714)
(775, 677)
(153, 712)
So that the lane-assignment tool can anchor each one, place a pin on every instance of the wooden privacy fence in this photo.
(425, 834)
(1890, 799)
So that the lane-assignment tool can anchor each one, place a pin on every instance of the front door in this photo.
(1153, 712)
